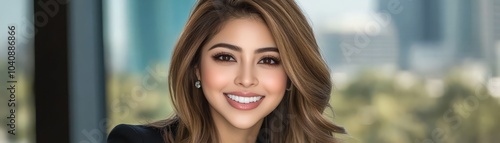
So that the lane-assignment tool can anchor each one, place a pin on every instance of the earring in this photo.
(289, 88)
(197, 84)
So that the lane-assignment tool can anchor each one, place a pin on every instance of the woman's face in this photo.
(241, 74)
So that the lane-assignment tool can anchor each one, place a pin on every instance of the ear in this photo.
(197, 72)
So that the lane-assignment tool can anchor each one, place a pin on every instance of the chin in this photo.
(244, 122)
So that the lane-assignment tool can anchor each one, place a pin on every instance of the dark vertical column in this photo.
(51, 72)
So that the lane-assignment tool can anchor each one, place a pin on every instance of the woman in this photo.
(244, 71)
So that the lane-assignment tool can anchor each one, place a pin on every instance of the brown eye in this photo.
(269, 61)
(223, 57)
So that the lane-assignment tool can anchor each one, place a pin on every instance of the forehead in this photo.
(244, 32)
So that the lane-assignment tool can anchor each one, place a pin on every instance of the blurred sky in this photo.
(14, 13)
(335, 10)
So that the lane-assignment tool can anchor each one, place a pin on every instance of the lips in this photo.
(244, 100)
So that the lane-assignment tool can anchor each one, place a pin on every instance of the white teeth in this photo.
(244, 100)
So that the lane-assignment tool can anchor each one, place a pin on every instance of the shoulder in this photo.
(124, 133)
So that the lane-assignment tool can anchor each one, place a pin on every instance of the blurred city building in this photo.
(140, 34)
(424, 36)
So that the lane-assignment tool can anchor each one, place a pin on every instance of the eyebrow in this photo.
(238, 49)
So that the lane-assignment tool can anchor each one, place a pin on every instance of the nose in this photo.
(246, 77)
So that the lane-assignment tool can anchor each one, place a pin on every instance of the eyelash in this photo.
(274, 59)
(226, 57)
(220, 57)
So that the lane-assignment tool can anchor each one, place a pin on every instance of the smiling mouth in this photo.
(244, 100)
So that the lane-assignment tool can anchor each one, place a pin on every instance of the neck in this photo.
(230, 134)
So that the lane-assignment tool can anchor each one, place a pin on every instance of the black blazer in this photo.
(124, 133)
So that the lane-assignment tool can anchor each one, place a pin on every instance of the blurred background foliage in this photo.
(401, 107)
(133, 101)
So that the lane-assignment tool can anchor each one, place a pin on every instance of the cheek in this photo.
(274, 81)
(214, 77)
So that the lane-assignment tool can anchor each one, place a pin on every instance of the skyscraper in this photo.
(462, 29)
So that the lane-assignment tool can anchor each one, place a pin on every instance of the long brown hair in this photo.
(299, 116)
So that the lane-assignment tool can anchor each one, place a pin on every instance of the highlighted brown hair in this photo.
(299, 116)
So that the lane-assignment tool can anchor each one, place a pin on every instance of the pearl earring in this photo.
(197, 84)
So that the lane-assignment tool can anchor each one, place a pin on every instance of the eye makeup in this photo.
(228, 57)
(270, 60)
(223, 57)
